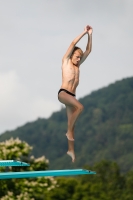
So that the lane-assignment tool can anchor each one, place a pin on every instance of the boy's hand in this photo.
(88, 29)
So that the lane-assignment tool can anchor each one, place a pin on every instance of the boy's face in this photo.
(76, 57)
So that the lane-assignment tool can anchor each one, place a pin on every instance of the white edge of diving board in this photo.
(9, 163)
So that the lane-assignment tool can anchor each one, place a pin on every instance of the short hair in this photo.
(76, 48)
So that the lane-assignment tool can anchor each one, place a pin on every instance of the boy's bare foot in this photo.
(69, 137)
(72, 155)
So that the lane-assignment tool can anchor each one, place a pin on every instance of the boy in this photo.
(71, 62)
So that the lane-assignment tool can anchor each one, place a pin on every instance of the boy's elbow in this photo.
(88, 51)
(73, 43)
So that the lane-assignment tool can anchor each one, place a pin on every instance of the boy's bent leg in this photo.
(74, 108)
(72, 114)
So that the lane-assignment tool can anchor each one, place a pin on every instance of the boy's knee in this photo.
(81, 107)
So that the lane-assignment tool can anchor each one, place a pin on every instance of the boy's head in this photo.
(76, 55)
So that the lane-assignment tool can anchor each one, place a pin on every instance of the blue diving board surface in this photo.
(7, 163)
(34, 174)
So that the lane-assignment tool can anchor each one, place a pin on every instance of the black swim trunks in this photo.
(66, 92)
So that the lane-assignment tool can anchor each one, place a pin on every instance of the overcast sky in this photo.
(35, 34)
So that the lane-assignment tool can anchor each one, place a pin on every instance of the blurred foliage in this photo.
(108, 183)
(29, 189)
(103, 131)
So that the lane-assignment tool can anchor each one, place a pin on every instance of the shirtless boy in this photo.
(71, 62)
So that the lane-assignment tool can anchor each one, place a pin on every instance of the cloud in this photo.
(18, 105)
(8, 87)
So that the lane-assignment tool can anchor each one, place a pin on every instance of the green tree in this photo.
(107, 184)
(33, 188)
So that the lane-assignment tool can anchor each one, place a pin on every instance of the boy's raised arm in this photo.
(72, 45)
(89, 45)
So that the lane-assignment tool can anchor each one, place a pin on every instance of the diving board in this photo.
(34, 174)
(7, 163)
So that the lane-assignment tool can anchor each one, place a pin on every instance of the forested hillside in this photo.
(104, 130)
